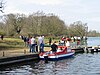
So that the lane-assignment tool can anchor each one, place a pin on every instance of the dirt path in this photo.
(17, 52)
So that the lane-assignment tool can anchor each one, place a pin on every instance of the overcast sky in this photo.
(87, 11)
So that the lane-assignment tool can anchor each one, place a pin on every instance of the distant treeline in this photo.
(40, 23)
(93, 33)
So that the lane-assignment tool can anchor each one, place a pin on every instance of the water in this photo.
(93, 41)
(80, 64)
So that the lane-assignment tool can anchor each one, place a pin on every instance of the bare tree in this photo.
(1, 6)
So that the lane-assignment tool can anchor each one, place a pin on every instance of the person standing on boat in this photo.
(68, 45)
(62, 41)
(54, 47)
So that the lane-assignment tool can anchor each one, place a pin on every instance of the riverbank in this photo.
(18, 55)
(11, 44)
(15, 50)
(10, 47)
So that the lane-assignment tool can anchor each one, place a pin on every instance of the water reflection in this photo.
(80, 64)
(23, 68)
(53, 67)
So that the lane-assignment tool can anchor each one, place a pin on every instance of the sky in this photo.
(87, 11)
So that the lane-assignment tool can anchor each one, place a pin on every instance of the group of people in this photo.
(33, 44)
(54, 47)
(64, 42)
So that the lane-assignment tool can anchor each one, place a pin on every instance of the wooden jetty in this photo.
(78, 50)
(16, 56)
(92, 49)
(17, 59)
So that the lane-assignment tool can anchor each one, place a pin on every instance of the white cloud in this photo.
(43, 2)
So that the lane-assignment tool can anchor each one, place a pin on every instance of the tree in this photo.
(2, 28)
(43, 24)
(93, 33)
(78, 29)
(19, 22)
(8, 20)
(14, 23)
(1, 5)
(40, 23)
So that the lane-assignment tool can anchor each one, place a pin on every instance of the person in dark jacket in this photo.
(50, 40)
(54, 47)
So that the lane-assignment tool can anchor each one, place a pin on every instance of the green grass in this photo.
(16, 43)
(11, 43)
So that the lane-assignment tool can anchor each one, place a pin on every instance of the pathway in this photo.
(17, 52)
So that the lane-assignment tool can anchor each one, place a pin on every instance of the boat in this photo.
(61, 53)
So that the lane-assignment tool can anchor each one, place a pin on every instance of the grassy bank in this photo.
(11, 43)
(16, 43)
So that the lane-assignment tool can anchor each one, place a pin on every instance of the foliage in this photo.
(34, 24)
(93, 33)
(40, 23)
(78, 29)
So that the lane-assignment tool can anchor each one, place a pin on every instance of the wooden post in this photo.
(3, 54)
(96, 50)
(24, 51)
(87, 50)
(92, 50)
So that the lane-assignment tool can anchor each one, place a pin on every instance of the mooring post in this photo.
(3, 53)
(83, 50)
(92, 50)
(96, 50)
(24, 51)
(87, 50)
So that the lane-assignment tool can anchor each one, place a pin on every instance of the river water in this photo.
(80, 64)
(93, 41)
